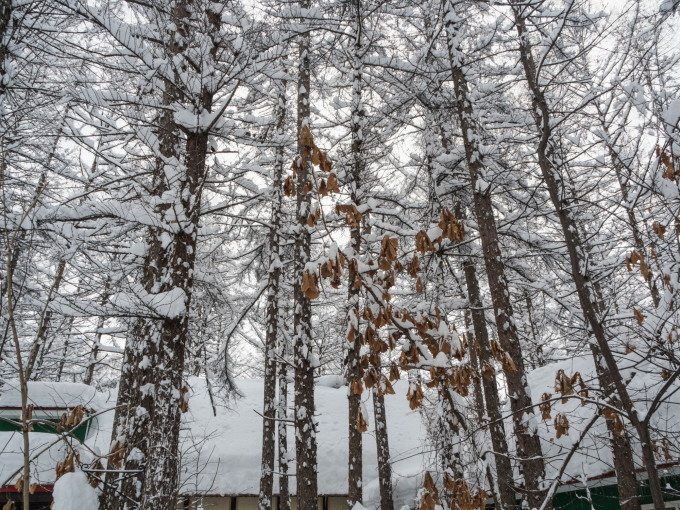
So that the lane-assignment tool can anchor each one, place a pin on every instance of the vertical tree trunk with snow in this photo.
(282, 430)
(272, 317)
(383, 451)
(353, 370)
(528, 442)
(151, 386)
(305, 427)
(575, 249)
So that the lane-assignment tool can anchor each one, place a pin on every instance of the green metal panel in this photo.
(606, 497)
(80, 432)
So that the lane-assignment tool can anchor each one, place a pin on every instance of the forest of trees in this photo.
(450, 192)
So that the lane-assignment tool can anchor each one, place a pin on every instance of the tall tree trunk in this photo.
(492, 401)
(272, 314)
(579, 271)
(354, 371)
(282, 415)
(383, 451)
(151, 385)
(528, 442)
(305, 428)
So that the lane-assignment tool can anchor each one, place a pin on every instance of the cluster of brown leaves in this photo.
(662, 450)
(415, 395)
(352, 214)
(666, 160)
(502, 356)
(362, 424)
(451, 229)
(310, 284)
(9, 505)
(462, 498)
(68, 465)
(561, 425)
(73, 419)
(565, 385)
(612, 415)
(333, 269)
(635, 258)
(311, 152)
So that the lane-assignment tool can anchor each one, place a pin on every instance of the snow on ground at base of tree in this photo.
(72, 491)
(594, 456)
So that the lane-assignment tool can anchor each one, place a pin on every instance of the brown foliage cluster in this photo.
(457, 490)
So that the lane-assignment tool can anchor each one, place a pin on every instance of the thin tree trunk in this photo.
(528, 442)
(272, 316)
(282, 415)
(579, 271)
(305, 428)
(383, 451)
(354, 371)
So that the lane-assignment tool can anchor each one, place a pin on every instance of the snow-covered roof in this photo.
(594, 456)
(44, 394)
(227, 446)
(221, 453)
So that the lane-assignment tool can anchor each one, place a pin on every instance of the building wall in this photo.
(250, 503)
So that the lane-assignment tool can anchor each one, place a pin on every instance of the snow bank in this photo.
(72, 491)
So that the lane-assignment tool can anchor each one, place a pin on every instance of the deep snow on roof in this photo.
(49, 394)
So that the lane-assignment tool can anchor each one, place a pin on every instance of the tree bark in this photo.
(151, 385)
(383, 451)
(528, 442)
(579, 270)
(305, 427)
(354, 371)
(272, 316)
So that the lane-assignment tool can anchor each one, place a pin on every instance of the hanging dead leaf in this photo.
(415, 396)
(645, 271)
(487, 371)
(659, 229)
(362, 425)
(352, 214)
(388, 248)
(306, 138)
(429, 485)
(184, 399)
(561, 425)
(333, 184)
(385, 386)
(357, 387)
(545, 406)
(9, 505)
(19, 484)
(307, 187)
(394, 372)
(419, 285)
(451, 228)
(316, 156)
(310, 285)
(289, 188)
(75, 417)
(423, 242)
(313, 218)
(563, 385)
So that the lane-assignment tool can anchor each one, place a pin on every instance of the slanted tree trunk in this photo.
(579, 269)
(528, 442)
(272, 315)
(305, 427)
